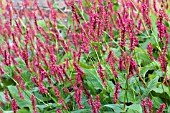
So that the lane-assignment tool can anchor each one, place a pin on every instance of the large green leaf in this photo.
(151, 66)
(135, 108)
(116, 107)
(152, 84)
(142, 56)
(168, 109)
(21, 103)
(93, 77)
(130, 96)
(42, 24)
(154, 24)
(23, 110)
(157, 101)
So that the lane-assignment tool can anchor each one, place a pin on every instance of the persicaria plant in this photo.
(94, 56)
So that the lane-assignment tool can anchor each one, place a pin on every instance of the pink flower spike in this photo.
(144, 104)
(161, 108)
(150, 105)
(149, 50)
(14, 106)
(116, 92)
(32, 98)
(7, 97)
(19, 92)
(98, 104)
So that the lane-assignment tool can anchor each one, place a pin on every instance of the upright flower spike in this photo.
(80, 4)
(147, 105)
(110, 6)
(6, 94)
(144, 104)
(14, 106)
(32, 98)
(78, 97)
(20, 81)
(91, 102)
(19, 93)
(163, 62)
(161, 108)
(112, 59)
(162, 30)
(132, 35)
(58, 111)
(77, 68)
(1, 70)
(40, 85)
(150, 105)
(25, 57)
(121, 26)
(154, 6)
(75, 14)
(116, 92)
(111, 31)
(98, 104)
(145, 14)
(139, 26)
(149, 50)
(101, 74)
(58, 95)
(132, 68)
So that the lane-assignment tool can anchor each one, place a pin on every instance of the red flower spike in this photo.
(149, 50)
(161, 108)
(14, 106)
(101, 74)
(78, 96)
(19, 93)
(32, 98)
(116, 92)
(7, 97)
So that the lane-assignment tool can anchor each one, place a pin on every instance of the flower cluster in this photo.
(94, 104)
(92, 60)
(149, 50)
(147, 102)
(32, 98)
(14, 106)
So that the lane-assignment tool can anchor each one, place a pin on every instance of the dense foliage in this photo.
(107, 56)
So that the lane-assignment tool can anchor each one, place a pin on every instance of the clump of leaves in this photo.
(108, 56)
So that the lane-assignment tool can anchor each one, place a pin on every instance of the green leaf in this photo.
(49, 111)
(21, 103)
(42, 24)
(82, 111)
(23, 111)
(157, 101)
(152, 84)
(151, 66)
(93, 77)
(168, 109)
(8, 112)
(60, 26)
(116, 107)
(130, 96)
(164, 88)
(2, 96)
(135, 107)
(158, 90)
(61, 60)
(142, 56)
(83, 65)
(154, 24)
